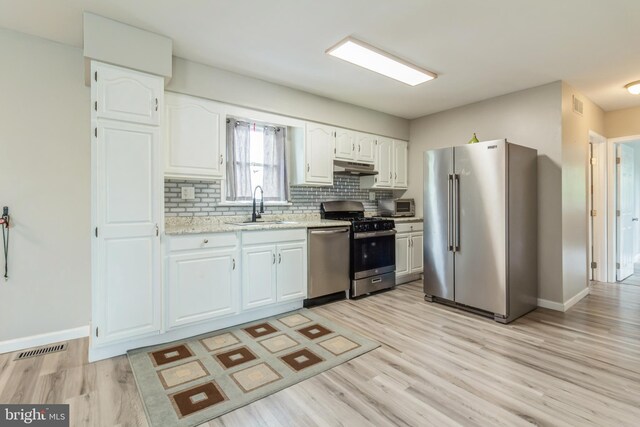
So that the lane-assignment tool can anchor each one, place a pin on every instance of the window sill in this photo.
(249, 204)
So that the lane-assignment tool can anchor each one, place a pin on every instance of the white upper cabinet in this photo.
(312, 149)
(194, 138)
(354, 146)
(345, 144)
(384, 163)
(400, 164)
(391, 160)
(126, 95)
(366, 148)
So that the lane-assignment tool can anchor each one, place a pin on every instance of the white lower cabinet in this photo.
(409, 251)
(291, 271)
(274, 267)
(402, 254)
(203, 278)
(258, 276)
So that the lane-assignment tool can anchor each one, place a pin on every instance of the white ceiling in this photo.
(480, 49)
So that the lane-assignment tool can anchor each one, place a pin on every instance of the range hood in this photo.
(341, 167)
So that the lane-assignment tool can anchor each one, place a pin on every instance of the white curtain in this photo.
(238, 161)
(275, 182)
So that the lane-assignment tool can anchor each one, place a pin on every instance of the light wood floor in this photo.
(437, 366)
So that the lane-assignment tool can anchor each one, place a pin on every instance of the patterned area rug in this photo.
(188, 382)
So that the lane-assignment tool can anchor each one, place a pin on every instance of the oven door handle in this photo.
(342, 230)
(374, 234)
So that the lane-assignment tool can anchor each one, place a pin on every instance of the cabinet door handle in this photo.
(205, 241)
(221, 159)
(156, 104)
(234, 263)
(279, 258)
(358, 148)
(390, 175)
(396, 176)
(274, 257)
(157, 230)
(308, 167)
(353, 147)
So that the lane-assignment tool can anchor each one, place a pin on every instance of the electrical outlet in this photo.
(372, 196)
(188, 193)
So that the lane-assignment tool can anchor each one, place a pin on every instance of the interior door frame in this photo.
(612, 241)
(597, 201)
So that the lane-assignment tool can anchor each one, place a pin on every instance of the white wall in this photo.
(201, 80)
(45, 169)
(44, 179)
(531, 118)
(575, 205)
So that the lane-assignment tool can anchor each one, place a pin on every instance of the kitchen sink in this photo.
(257, 223)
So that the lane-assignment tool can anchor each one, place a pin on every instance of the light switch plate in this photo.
(188, 193)
(372, 196)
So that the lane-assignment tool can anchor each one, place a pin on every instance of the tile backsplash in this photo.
(303, 199)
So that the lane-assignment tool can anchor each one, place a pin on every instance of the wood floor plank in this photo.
(436, 366)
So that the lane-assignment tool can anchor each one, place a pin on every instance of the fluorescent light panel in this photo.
(371, 58)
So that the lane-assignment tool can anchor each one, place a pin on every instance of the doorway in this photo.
(624, 210)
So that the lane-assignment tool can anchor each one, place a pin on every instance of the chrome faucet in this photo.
(254, 215)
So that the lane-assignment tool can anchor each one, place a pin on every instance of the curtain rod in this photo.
(244, 122)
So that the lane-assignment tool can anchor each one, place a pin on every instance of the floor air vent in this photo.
(41, 351)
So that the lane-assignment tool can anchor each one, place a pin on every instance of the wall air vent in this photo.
(578, 106)
(41, 351)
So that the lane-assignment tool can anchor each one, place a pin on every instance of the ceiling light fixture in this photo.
(634, 87)
(374, 59)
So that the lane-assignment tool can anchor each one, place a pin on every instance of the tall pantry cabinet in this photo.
(127, 185)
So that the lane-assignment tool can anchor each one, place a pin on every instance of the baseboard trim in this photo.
(551, 305)
(43, 339)
(119, 348)
(577, 297)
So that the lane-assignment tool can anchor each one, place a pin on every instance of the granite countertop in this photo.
(222, 224)
(407, 219)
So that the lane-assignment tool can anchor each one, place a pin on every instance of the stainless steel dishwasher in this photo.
(328, 262)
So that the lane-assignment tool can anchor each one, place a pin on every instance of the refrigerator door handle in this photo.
(456, 215)
(449, 213)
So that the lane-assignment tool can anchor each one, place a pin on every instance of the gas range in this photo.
(372, 251)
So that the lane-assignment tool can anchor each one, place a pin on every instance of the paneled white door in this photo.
(292, 271)
(400, 164)
(626, 201)
(194, 145)
(366, 148)
(202, 286)
(258, 276)
(345, 144)
(128, 191)
(384, 160)
(416, 252)
(402, 254)
(319, 154)
(127, 95)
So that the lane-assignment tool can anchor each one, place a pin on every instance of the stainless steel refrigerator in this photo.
(480, 228)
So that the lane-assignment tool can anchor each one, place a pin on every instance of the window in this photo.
(256, 157)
